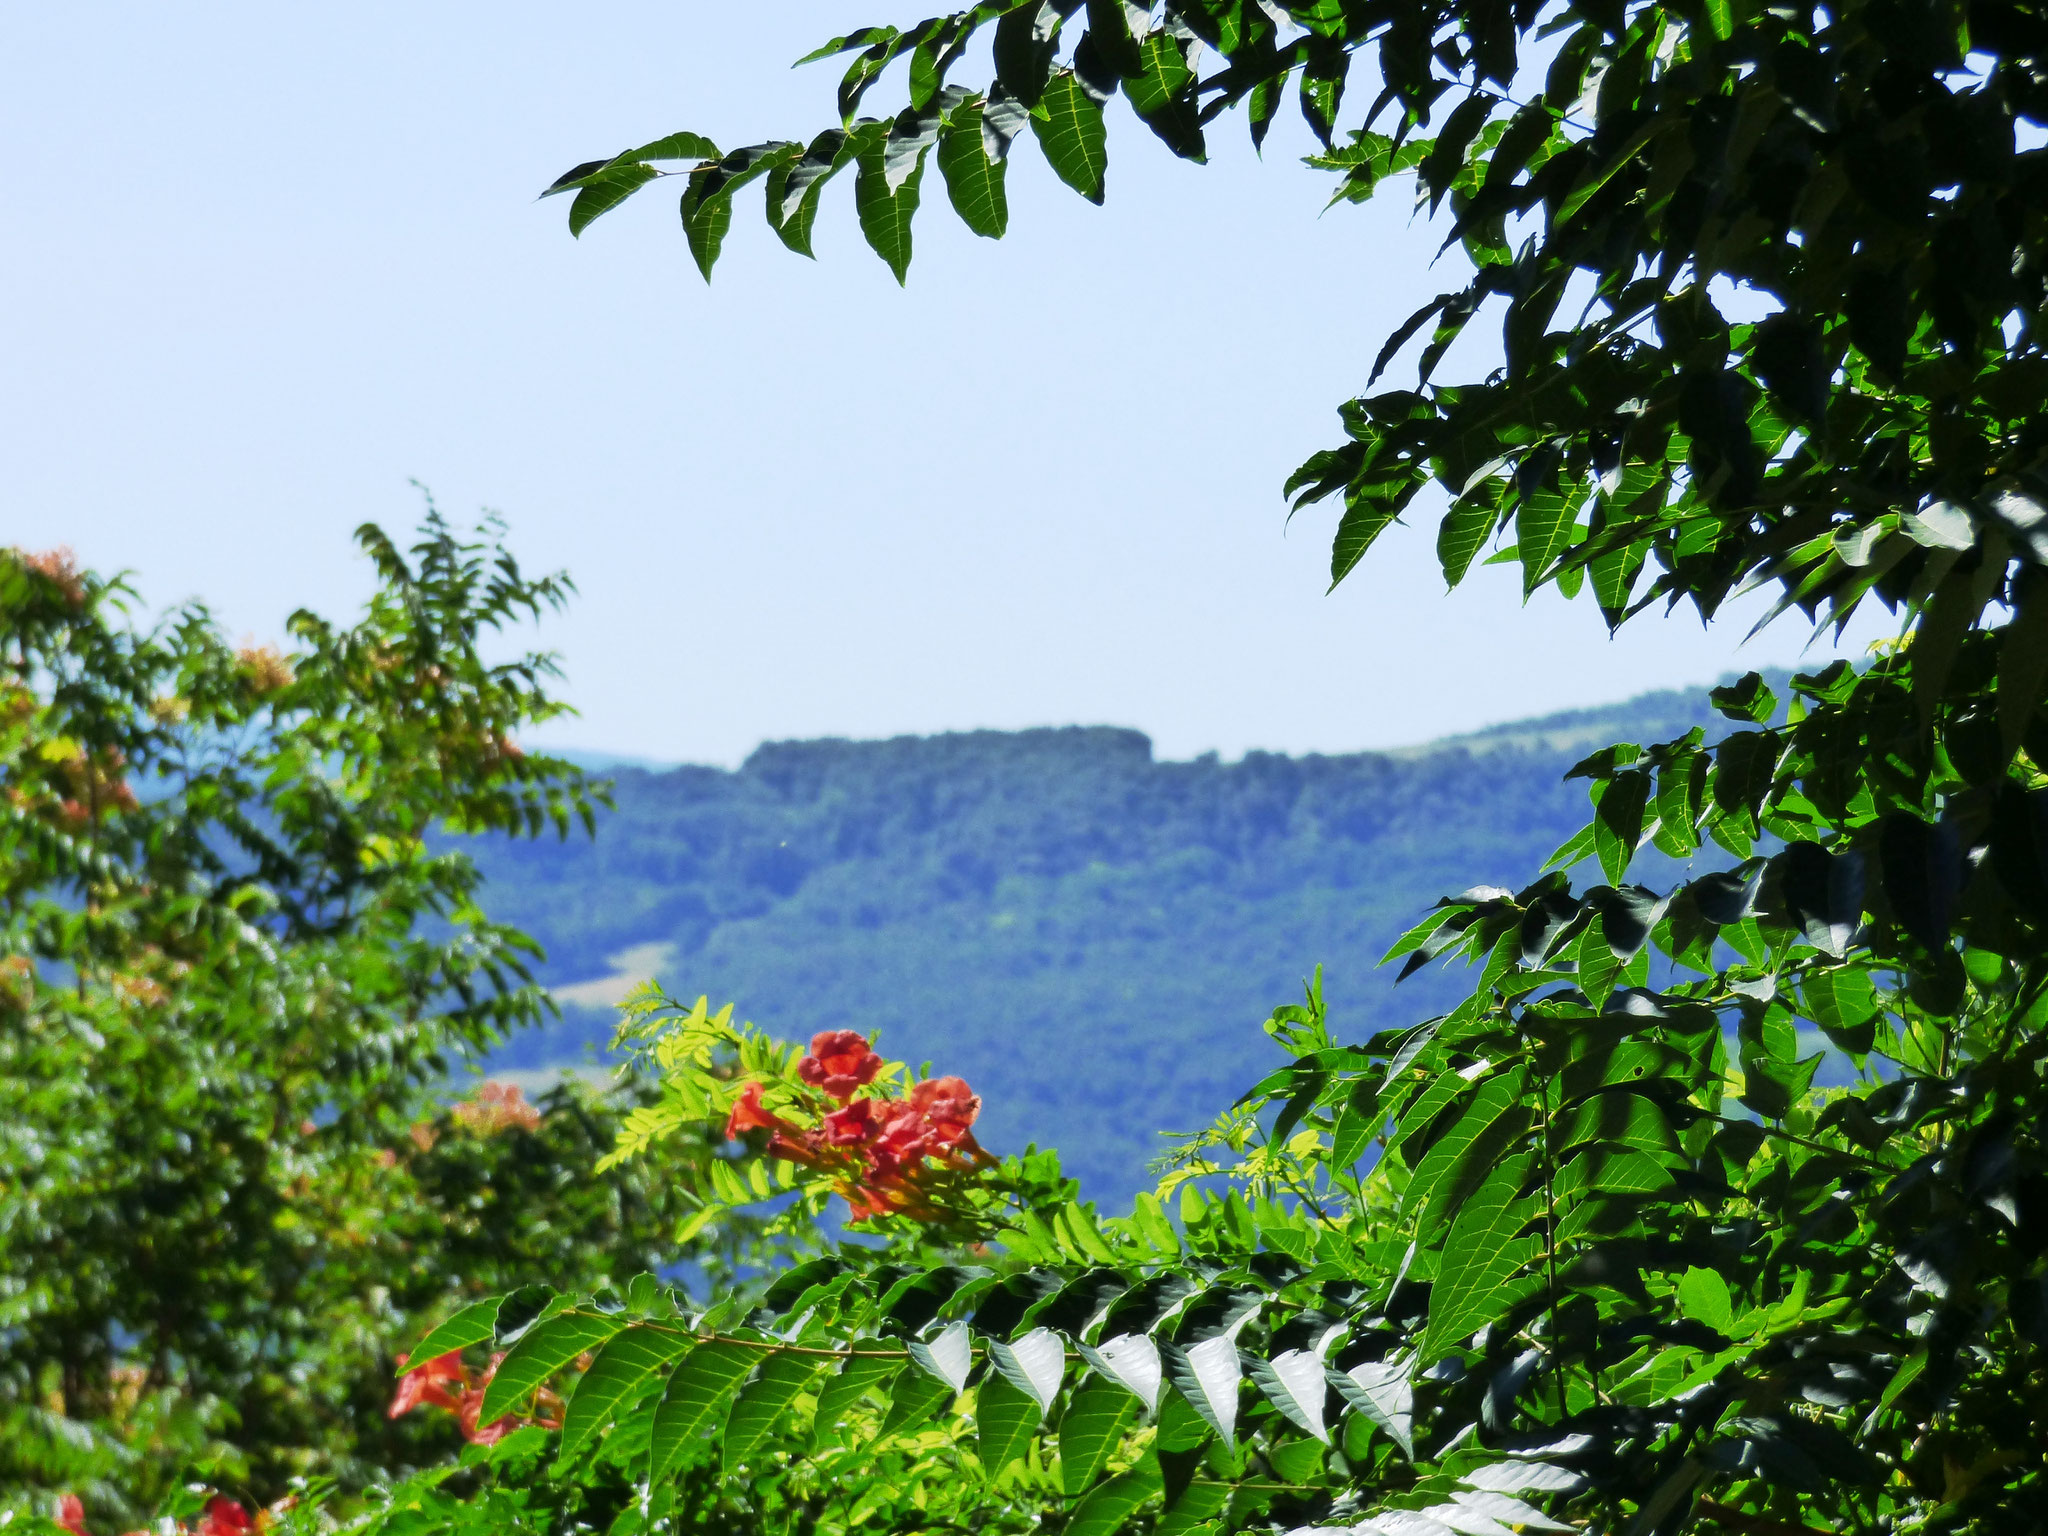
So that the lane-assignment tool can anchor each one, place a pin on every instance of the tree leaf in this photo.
(577, 174)
(1618, 821)
(1543, 527)
(1162, 95)
(541, 1353)
(1070, 130)
(948, 1355)
(1024, 43)
(1843, 1002)
(675, 146)
(1094, 1422)
(707, 200)
(1005, 1418)
(476, 1323)
(1481, 1254)
(1626, 1119)
(2023, 658)
(708, 1375)
(1358, 1123)
(1382, 1391)
(1294, 1381)
(1508, 1511)
(1364, 520)
(1132, 1361)
(1002, 118)
(1464, 529)
(622, 1366)
(1207, 1374)
(974, 181)
(1703, 1297)
(1611, 1170)
(1034, 1364)
(886, 210)
(1465, 1154)
(795, 189)
(857, 1376)
(1109, 1508)
(763, 1402)
(605, 191)
(917, 1398)
(1599, 970)
(1522, 1477)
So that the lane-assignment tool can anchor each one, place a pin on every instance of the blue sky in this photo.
(268, 264)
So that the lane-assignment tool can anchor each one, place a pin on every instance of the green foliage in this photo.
(1609, 1258)
(235, 977)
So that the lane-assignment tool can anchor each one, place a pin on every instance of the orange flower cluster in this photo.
(882, 1149)
(89, 786)
(444, 1382)
(498, 1107)
(223, 1516)
(59, 567)
(265, 666)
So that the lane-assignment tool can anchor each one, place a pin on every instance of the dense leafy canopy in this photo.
(234, 979)
(1587, 1250)
(1590, 1241)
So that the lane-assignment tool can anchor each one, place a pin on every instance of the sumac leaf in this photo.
(1005, 1418)
(1094, 1422)
(539, 1354)
(621, 1368)
(764, 1401)
(1072, 134)
(708, 1375)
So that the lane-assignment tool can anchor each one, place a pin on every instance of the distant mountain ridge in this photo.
(1087, 934)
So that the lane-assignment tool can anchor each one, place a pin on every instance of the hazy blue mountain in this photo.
(1089, 936)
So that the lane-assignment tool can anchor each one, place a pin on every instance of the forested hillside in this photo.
(1088, 935)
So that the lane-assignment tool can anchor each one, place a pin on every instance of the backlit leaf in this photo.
(1070, 130)
(886, 211)
(1543, 528)
(764, 1402)
(605, 191)
(1703, 1296)
(916, 1401)
(474, 1324)
(1005, 1418)
(1481, 1254)
(974, 181)
(699, 1386)
(1094, 1422)
(621, 1368)
(539, 1354)
(1110, 1507)
(857, 1376)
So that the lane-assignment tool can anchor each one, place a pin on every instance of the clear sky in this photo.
(266, 264)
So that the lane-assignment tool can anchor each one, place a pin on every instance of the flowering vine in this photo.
(222, 1516)
(445, 1382)
(885, 1153)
